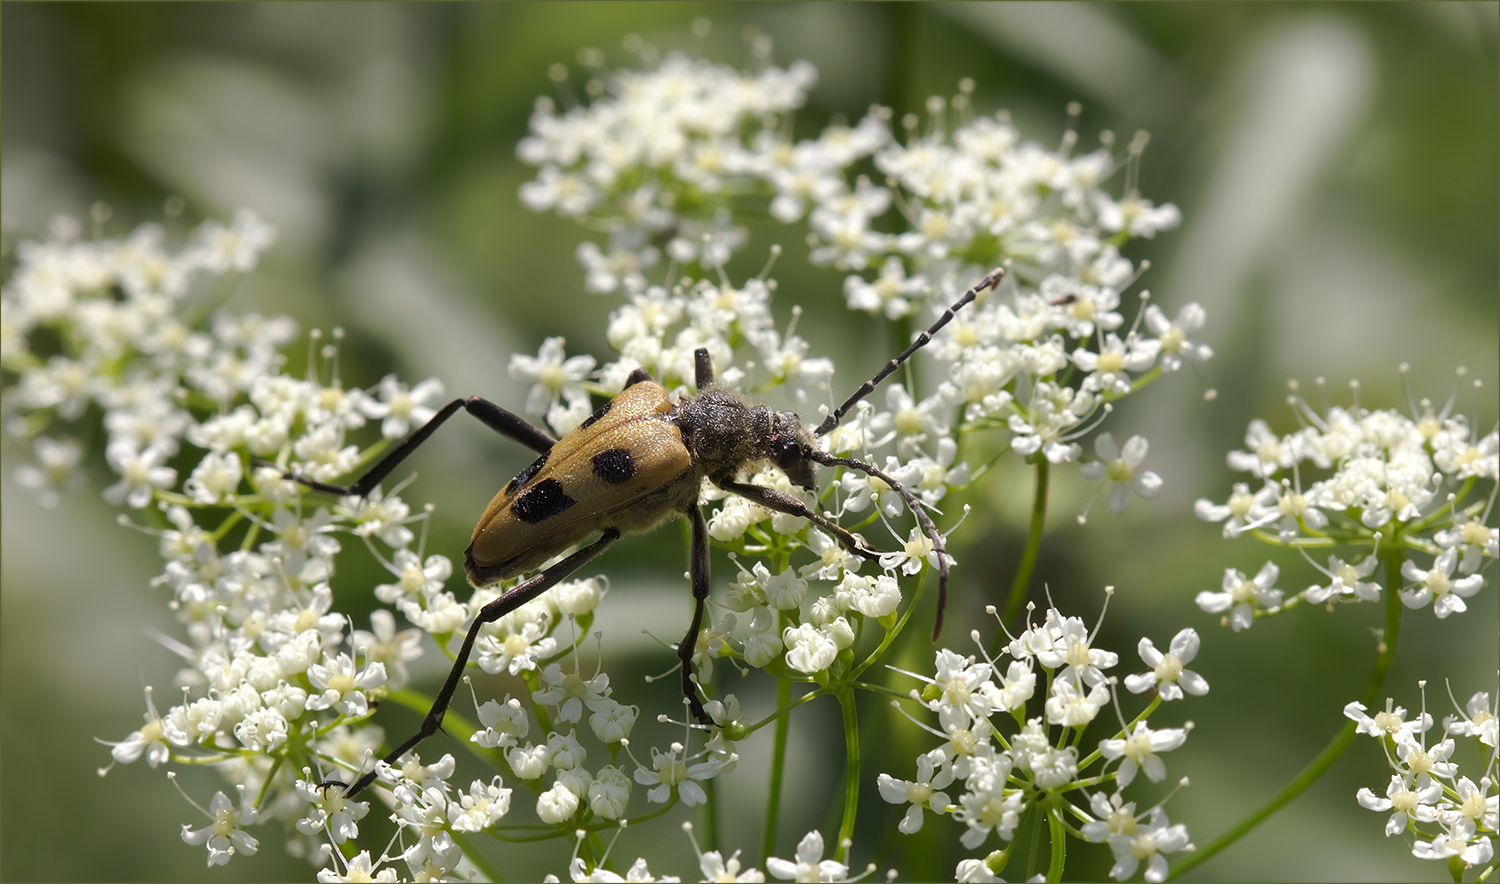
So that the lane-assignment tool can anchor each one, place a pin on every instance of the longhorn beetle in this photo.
(637, 461)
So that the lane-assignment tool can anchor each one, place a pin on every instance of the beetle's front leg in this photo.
(924, 520)
(772, 499)
(698, 565)
(509, 601)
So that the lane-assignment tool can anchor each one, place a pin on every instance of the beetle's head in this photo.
(788, 447)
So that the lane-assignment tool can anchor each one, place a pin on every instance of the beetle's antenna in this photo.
(990, 280)
(923, 519)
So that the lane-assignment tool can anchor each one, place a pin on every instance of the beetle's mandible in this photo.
(637, 461)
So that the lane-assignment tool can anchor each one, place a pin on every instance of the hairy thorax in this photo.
(727, 436)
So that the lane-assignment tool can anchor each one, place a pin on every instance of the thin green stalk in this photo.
(711, 814)
(1033, 545)
(881, 689)
(1059, 845)
(229, 522)
(475, 858)
(893, 632)
(265, 785)
(454, 724)
(1393, 556)
(778, 765)
(1142, 716)
(553, 833)
(851, 772)
(783, 711)
(900, 337)
(1031, 827)
(710, 833)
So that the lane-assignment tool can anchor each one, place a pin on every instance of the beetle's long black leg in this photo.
(923, 519)
(514, 598)
(991, 280)
(636, 376)
(772, 499)
(496, 418)
(509, 424)
(698, 564)
(703, 369)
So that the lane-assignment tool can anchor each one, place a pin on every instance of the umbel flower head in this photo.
(1384, 481)
(202, 427)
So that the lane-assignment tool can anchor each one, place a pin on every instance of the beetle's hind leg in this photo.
(507, 424)
(698, 566)
(512, 599)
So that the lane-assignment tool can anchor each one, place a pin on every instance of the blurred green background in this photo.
(1336, 166)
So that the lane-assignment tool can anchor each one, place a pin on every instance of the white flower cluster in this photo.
(1001, 782)
(663, 137)
(1447, 815)
(1388, 481)
(273, 685)
(808, 865)
(278, 696)
(650, 159)
(99, 303)
(269, 678)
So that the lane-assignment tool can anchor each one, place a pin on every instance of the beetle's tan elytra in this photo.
(625, 468)
(637, 461)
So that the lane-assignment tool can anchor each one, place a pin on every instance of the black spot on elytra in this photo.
(543, 500)
(525, 475)
(599, 412)
(614, 466)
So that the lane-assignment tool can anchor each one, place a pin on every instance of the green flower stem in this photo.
(1059, 845)
(880, 689)
(890, 634)
(782, 712)
(369, 455)
(1031, 830)
(1144, 714)
(552, 833)
(1139, 382)
(1437, 515)
(1033, 545)
(845, 696)
(216, 758)
(229, 522)
(265, 785)
(778, 765)
(454, 725)
(1304, 542)
(900, 338)
(250, 536)
(1393, 557)
(477, 859)
(711, 814)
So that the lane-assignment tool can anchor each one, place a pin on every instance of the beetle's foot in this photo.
(695, 706)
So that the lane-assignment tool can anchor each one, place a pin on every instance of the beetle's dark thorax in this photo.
(720, 430)
(726, 435)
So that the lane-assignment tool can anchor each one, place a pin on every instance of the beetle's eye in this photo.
(790, 456)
